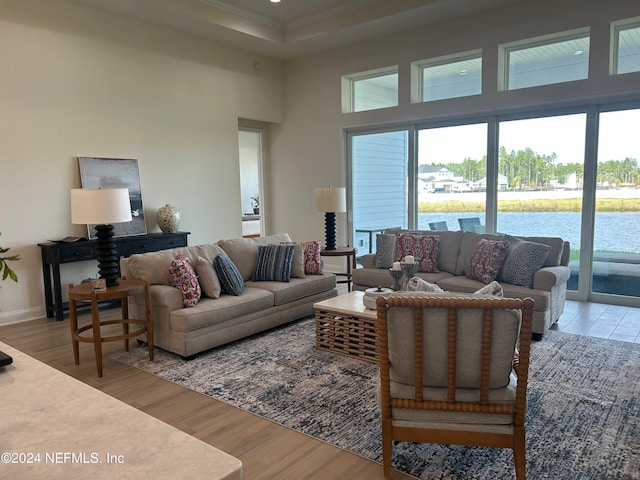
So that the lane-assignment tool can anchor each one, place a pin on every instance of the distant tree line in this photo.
(529, 169)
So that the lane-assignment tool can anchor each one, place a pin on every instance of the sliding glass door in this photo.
(380, 179)
(541, 174)
(616, 237)
(452, 177)
(573, 175)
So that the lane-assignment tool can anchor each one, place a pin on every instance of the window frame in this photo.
(349, 87)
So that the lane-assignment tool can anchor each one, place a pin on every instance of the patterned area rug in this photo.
(583, 420)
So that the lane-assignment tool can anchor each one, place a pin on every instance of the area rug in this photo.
(583, 420)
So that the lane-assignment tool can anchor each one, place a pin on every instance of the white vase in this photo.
(168, 218)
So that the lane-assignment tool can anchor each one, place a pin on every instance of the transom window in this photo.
(546, 60)
(370, 90)
(451, 76)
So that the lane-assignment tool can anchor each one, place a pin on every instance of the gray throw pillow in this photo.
(385, 250)
(228, 274)
(523, 260)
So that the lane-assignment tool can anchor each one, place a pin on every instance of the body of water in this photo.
(616, 232)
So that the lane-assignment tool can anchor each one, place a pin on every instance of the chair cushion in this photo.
(504, 338)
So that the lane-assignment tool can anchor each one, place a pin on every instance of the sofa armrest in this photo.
(161, 295)
(548, 277)
(368, 260)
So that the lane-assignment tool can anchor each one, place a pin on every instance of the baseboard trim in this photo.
(19, 316)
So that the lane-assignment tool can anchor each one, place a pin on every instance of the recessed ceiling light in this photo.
(463, 72)
(578, 52)
(275, 1)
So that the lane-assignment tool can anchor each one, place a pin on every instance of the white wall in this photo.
(79, 82)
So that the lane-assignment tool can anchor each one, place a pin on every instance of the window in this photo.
(451, 76)
(380, 169)
(370, 90)
(546, 60)
(626, 46)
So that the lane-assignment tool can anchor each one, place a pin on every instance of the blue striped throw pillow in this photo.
(274, 263)
(228, 274)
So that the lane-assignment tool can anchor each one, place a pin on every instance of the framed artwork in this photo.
(116, 173)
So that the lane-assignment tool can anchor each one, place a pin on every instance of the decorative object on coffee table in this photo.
(168, 218)
(409, 270)
(371, 295)
(330, 200)
(396, 274)
(102, 207)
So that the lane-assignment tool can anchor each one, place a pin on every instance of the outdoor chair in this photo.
(438, 225)
(469, 224)
(453, 370)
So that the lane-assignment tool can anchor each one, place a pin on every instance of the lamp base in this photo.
(330, 230)
(107, 255)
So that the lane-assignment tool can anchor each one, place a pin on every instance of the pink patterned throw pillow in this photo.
(183, 277)
(424, 249)
(487, 260)
(312, 260)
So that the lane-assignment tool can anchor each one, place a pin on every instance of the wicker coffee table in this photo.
(345, 326)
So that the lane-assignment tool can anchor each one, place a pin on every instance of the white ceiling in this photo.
(292, 27)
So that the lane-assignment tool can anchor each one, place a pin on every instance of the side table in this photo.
(350, 253)
(85, 292)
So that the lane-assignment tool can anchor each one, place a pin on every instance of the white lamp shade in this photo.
(331, 199)
(100, 206)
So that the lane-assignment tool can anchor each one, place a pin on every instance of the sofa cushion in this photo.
(523, 260)
(297, 263)
(274, 263)
(487, 260)
(296, 288)
(227, 308)
(385, 250)
(183, 277)
(230, 279)
(207, 277)
(424, 248)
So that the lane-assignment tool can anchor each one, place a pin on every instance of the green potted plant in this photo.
(4, 266)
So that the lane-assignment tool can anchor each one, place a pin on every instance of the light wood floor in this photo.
(266, 450)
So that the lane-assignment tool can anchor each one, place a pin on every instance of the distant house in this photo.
(503, 183)
(441, 180)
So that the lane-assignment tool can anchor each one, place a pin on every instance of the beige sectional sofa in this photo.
(216, 321)
(454, 253)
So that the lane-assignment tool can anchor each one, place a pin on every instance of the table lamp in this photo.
(102, 207)
(330, 200)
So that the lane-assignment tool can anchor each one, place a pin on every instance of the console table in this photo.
(54, 254)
